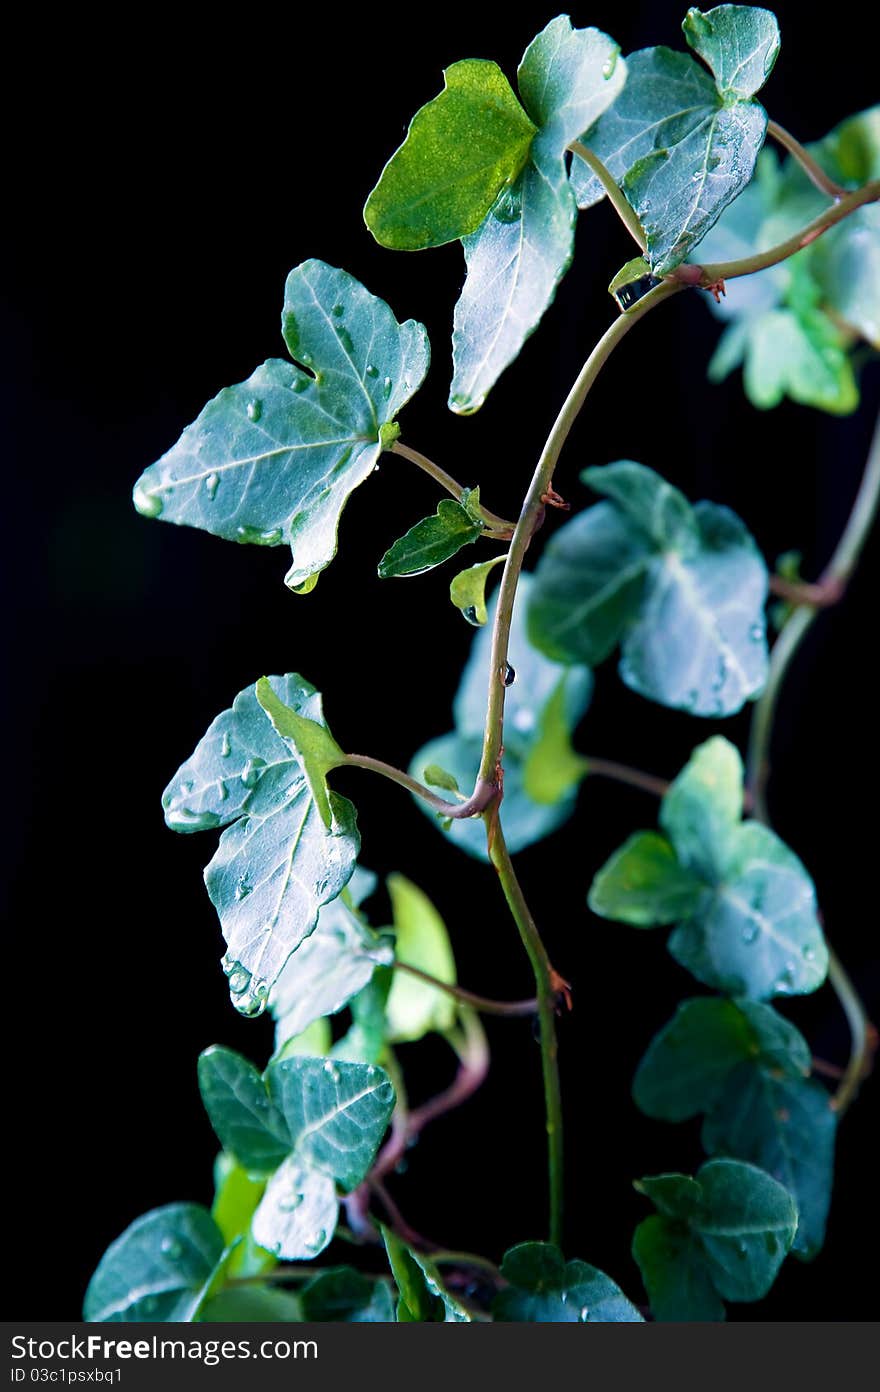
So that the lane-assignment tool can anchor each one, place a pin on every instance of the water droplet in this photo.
(331, 1070)
(509, 675)
(585, 1314)
(386, 388)
(751, 933)
(784, 983)
(171, 1247)
(222, 790)
(187, 786)
(254, 410)
(252, 1001)
(564, 1297)
(338, 310)
(243, 888)
(610, 63)
(250, 774)
(238, 977)
(290, 1203)
(372, 370)
(810, 952)
(742, 1251)
(757, 900)
(305, 359)
(225, 745)
(470, 613)
(507, 206)
(524, 719)
(299, 384)
(147, 504)
(345, 339)
(318, 1241)
(721, 675)
(757, 633)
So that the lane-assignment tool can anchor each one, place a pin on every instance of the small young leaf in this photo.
(414, 1008)
(278, 862)
(437, 777)
(297, 1214)
(543, 1289)
(158, 1270)
(740, 43)
(753, 930)
(236, 1198)
(681, 588)
(343, 1295)
(274, 459)
(644, 884)
(247, 1124)
(460, 150)
(552, 767)
(468, 590)
(422, 1295)
(336, 1113)
(431, 542)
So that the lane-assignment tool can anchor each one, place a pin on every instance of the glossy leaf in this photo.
(681, 588)
(414, 1008)
(644, 884)
(739, 43)
(343, 1295)
(544, 1289)
(278, 862)
(327, 970)
(238, 1106)
(274, 459)
(731, 1226)
(297, 1215)
(518, 256)
(158, 1269)
(431, 542)
(460, 150)
(544, 696)
(468, 590)
(310, 743)
(336, 1113)
(753, 930)
(422, 1295)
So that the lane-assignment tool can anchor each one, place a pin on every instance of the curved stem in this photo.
(498, 526)
(484, 1004)
(863, 1036)
(484, 793)
(616, 198)
(821, 596)
(533, 511)
(549, 985)
(814, 171)
(621, 773)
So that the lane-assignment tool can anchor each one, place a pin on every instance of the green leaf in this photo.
(274, 459)
(158, 1269)
(422, 1295)
(327, 970)
(754, 930)
(236, 1199)
(437, 777)
(681, 588)
(644, 884)
(297, 1214)
(846, 264)
(519, 254)
(336, 1113)
(688, 1064)
(238, 1106)
(278, 862)
(252, 1305)
(681, 144)
(543, 699)
(731, 1226)
(310, 742)
(801, 357)
(552, 766)
(431, 542)
(740, 44)
(468, 590)
(414, 1008)
(365, 1041)
(343, 1295)
(460, 150)
(544, 1289)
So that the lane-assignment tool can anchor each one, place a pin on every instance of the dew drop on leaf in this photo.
(212, 483)
(254, 410)
(225, 745)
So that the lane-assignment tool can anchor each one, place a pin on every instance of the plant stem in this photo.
(621, 206)
(707, 276)
(548, 983)
(803, 592)
(498, 526)
(482, 1003)
(484, 793)
(863, 1036)
(533, 511)
(814, 171)
(621, 773)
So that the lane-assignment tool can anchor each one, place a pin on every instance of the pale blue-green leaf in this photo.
(746, 1222)
(567, 78)
(740, 43)
(787, 1126)
(644, 884)
(414, 1008)
(365, 1041)
(297, 1215)
(662, 512)
(158, 1269)
(343, 1295)
(275, 458)
(422, 1294)
(703, 806)
(330, 967)
(846, 263)
(336, 1113)
(542, 1288)
(238, 1106)
(675, 1273)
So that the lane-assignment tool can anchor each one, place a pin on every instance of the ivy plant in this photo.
(786, 251)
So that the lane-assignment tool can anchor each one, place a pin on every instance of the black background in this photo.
(163, 184)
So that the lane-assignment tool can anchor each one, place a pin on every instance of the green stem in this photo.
(814, 172)
(482, 796)
(834, 578)
(533, 511)
(621, 773)
(498, 527)
(549, 985)
(616, 198)
(484, 1004)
